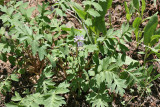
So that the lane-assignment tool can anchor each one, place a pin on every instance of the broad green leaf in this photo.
(32, 100)
(93, 13)
(10, 11)
(47, 84)
(112, 80)
(88, 22)
(4, 18)
(154, 39)
(91, 48)
(18, 4)
(61, 90)
(2, 31)
(150, 29)
(99, 102)
(59, 12)
(98, 22)
(53, 100)
(22, 8)
(52, 60)
(136, 4)
(134, 75)
(17, 97)
(64, 50)
(96, 5)
(109, 3)
(28, 30)
(137, 22)
(34, 47)
(42, 52)
(49, 37)
(128, 16)
(91, 73)
(3, 8)
(12, 104)
(1, 2)
(14, 77)
(30, 11)
(124, 27)
(157, 32)
(129, 60)
(63, 7)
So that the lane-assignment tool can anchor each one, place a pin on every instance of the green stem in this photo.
(77, 51)
(145, 57)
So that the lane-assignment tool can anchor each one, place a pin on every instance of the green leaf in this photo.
(1, 2)
(143, 7)
(53, 100)
(99, 102)
(34, 47)
(98, 22)
(150, 29)
(113, 81)
(124, 27)
(128, 16)
(64, 50)
(134, 76)
(91, 48)
(42, 52)
(3, 8)
(32, 100)
(91, 73)
(157, 32)
(22, 8)
(137, 22)
(11, 104)
(4, 18)
(59, 12)
(30, 11)
(10, 11)
(96, 5)
(88, 22)
(14, 77)
(156, 77)
(2, 31)
(126, 8)
(129, 60)
(48, 72)
(1, 46)
(48, 37)
(136, 4)
(80, 13)
(18, 4)
(93, 13)
(28, 30)
(52, 60)
(101, 39)
(155, 37)
(17, 97)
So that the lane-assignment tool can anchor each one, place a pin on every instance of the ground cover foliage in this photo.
(48, 60)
